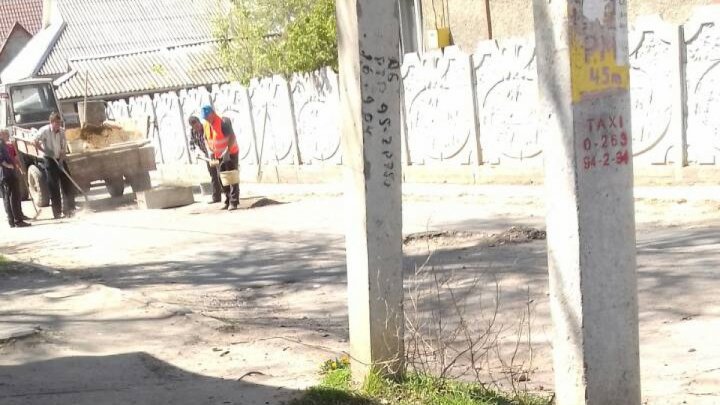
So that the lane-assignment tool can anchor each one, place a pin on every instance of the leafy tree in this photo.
(265, 37)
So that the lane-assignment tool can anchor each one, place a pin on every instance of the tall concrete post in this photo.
(584, 94)
(370, 82)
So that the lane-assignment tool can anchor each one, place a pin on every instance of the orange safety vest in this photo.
(217, 139)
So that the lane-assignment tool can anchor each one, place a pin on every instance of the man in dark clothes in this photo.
(197, 142)
(10, 183)
(222, 142)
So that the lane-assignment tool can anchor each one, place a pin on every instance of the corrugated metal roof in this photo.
(27, 13)
(145, 71)
(98, 27)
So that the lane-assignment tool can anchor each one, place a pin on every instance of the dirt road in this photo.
(198, 306)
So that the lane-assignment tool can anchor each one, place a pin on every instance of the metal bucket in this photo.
(77, 146)
(230, 177)
(206, 188)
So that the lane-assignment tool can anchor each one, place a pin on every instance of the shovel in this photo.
(62, 169)
(212, 162)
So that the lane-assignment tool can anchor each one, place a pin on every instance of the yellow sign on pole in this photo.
(598, 58)
(596, 72)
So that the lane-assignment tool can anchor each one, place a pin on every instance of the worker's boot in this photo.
(21, 224)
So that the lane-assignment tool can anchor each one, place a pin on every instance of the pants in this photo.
(57, 181)
(232, 192)
(216, 185)
(10, 187)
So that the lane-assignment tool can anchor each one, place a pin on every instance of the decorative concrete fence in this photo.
(506, 93)
(462, 110)
(439, 109)
(277, 122)
(702, 55)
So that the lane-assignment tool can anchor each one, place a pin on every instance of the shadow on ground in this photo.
(676, 269)
(672, 263)
(130, 378)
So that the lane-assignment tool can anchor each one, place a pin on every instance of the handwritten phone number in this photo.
(380, 71)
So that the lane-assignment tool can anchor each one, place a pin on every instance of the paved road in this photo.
(178, 305)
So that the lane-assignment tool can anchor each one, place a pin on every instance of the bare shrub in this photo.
(453, 329)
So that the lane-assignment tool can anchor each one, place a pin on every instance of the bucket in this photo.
(206, 188)
(230, 177)
(77, 146)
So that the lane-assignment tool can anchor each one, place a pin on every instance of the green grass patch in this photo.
(7, 266)
(336, 388)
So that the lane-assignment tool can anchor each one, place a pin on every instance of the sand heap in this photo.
(101, 136)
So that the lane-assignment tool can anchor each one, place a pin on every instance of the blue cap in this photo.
(206, 110)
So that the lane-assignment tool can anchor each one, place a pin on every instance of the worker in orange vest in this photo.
(222, 142)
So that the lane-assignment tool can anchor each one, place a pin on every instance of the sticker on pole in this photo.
(598, 54)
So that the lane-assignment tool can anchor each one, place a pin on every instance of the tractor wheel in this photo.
(37, 183)
(115, 186)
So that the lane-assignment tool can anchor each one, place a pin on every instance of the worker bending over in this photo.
(197, 141)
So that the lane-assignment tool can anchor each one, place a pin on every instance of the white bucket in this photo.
(230, 177)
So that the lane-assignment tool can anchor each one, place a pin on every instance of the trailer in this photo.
(113, 166)
(25, 107)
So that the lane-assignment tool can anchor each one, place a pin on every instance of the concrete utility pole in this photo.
(584, 90)
(370, 80)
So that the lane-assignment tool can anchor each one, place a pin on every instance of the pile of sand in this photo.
(102, 136)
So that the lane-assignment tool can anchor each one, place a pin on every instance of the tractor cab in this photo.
(28, 104)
